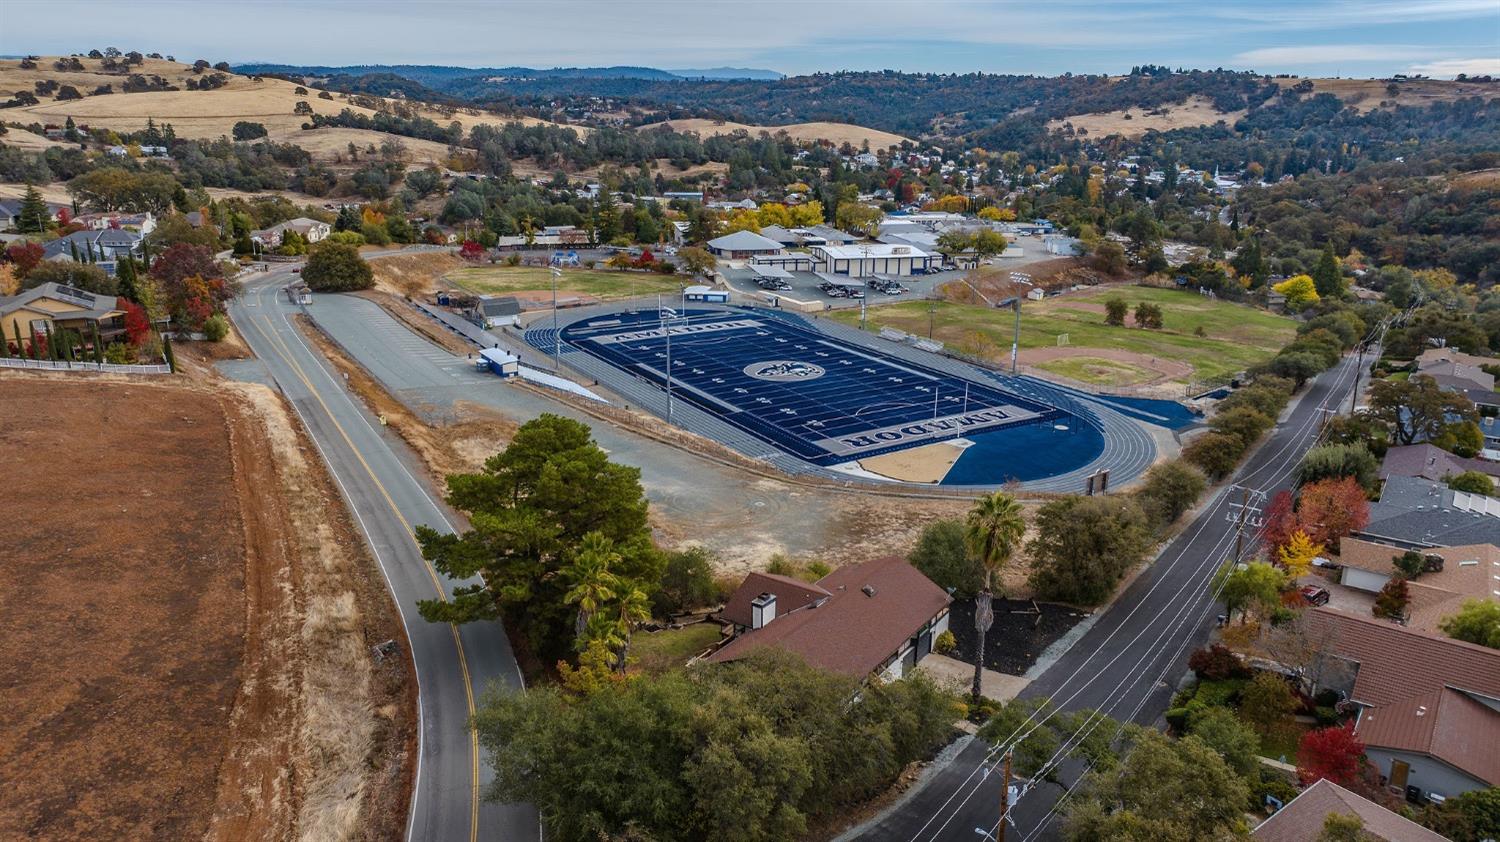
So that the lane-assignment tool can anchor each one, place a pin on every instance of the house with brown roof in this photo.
(1429, 705)
(1451, 575)
(1442, 743)
(876, 618)
(51, 308)
(1301, 820)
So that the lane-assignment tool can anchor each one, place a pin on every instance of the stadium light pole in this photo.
(864, 258)
(666, 327)
(1015, 343)
(556, 334)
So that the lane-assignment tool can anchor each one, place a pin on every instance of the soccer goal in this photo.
(1062, 340)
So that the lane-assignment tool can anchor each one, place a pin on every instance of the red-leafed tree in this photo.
(25, 255)
(1332, 508)
(1281, 521)
(1334, 753)
(137, 324)
(64, 216)
(471, 250)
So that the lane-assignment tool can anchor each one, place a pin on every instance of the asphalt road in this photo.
(1127, 664)
(378, 478)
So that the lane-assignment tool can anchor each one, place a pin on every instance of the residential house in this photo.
(1301, 819)
(743, 245)
(742, 204)
(311, 230)
(101, 246)
(1460, 372)
(10, 212)
(865, 259)
(1415, 513)
(141, 223)
(876, 618)
(52, 307)
(1452, 575)
(1429, 706)
(1433, 463)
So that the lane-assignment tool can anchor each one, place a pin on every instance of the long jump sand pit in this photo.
(927, 463)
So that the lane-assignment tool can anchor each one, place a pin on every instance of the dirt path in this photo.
(192, 622)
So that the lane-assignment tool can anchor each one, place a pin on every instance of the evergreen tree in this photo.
(34, 215)
(1326, 276)
(125, 279)
(1250, 263)
(70, 130)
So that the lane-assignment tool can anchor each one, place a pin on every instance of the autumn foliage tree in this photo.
(192, 283)
(471, 250)
(1298, 553)
(25, 255)
(137, 325)
(1334, 754)
(1330, 509)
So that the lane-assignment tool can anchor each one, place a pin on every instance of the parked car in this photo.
(1314, 595)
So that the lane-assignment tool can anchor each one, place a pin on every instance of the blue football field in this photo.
(811, 395)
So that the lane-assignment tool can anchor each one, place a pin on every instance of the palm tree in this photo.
(633, 609)
(992, 532)
(592, 584)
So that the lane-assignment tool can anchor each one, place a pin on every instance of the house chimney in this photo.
(762, 610)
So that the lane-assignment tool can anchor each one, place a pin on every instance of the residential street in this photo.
(1128, 663)
(379, 480)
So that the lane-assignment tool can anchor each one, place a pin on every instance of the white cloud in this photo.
(1332, 54)
(1455, 66)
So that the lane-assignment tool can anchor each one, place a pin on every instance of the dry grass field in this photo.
(1196, 111)
(189, 618)
(835, 133)
(199, 114)
(1370, 94)
(324, 144)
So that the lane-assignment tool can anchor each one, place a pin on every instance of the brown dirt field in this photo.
(22, 139)
(208, 671)
(835, 133)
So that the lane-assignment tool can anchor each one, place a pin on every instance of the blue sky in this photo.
(1047, 37)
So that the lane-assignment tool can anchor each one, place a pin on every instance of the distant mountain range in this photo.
(436, 74)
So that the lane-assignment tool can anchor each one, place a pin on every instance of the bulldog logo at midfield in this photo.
(783, 370)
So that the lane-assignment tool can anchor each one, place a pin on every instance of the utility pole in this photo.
(1358, 366)
(1239, 528)
(1004, 800)
(1015, 342)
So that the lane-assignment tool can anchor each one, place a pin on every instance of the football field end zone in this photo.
(1128, 448)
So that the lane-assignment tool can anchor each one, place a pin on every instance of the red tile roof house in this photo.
(1301, 820)
(876, 618)
(1429, 705)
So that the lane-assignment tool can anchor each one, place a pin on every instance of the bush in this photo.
(945, 643)
(1336, 461)
(687, 583)
(215, 328)
(348, 238)
(1216, 663)
(1473, 482)
(1216, 454)
(1084, 545)
(1326, 716)
(1170, 489)
(941, 555)
(1246, 423)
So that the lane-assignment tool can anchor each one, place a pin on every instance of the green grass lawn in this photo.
(1284, 745)
(1235, 335)
(599, 283)
(658, 652)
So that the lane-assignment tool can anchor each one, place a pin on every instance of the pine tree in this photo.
(1326, 275)
(125, 278)
(33, 211)
(70, 130)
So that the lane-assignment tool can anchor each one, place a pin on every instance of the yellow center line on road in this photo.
(269, 332)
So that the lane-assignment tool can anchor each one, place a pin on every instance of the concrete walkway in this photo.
(951, 672)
